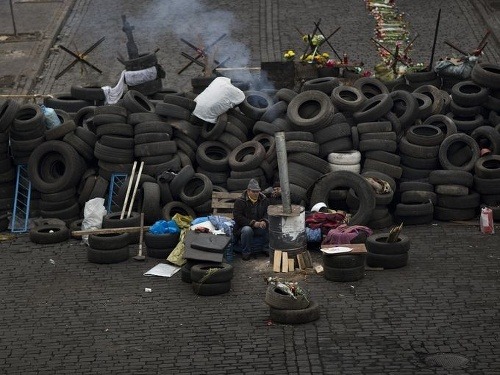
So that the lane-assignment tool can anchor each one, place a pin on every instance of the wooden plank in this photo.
(307, 259)
(291, 264)
(300, 260)
(78, 233)
(284, 262)
(277, 261)
(223, 203)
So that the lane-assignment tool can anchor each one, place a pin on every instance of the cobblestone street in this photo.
(61, 314)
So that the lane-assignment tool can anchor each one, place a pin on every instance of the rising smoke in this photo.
(196, 22)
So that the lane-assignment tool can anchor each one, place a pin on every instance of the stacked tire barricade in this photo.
(424, 142)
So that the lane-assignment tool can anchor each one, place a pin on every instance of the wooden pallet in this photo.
(223, 203)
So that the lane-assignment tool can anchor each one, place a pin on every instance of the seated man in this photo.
(250, 218)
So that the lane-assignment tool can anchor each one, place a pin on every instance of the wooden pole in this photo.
(435, 40)
(135, 190)
(78, 233)
(130, 180)
(12, 17)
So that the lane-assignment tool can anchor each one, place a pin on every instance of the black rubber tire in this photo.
(469, 93)
(112, 220)
(151, 202)
(86, 151)
(488, 166)
(171, 208)
(161, 241)
(361, 187)
(486, 75)
(66, 102)
(386, 261)
(405, 107)
(318, 117)
(471, 200)
(434, 93)
(374, 127)
(310, 161)
(323, 84)
(377, 145)
(255, 104)
(451, 177)
(184, 175)
(377, 244)
(49, 234)
(487, 137)
(134, 101)
(140, 117)
(87, 93)
(384, 156)
(108, 256)
(452, 214)
(370, 86)
(153, 127)
(197, 190)
(209, 273)
(419, 151)
(277, 299)
(344, 274)
(159, 253)
(448, 142)
(8, 111)
(307, 315)
(277, 110)
(247, 156)
(203, 289)
(425, 135)
(343, 260)
(120, 129)
(58, 132)
(112, 154)
(172, 110)
(418, 196)
(414, 209)
(155, 148)
(347, 98)
(70, 167)
(86, 135)
(213, 156)
(110, 241)
(373, 109)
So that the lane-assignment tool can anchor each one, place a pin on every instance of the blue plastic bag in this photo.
(163, 227)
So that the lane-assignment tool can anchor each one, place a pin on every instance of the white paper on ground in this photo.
(162, 269)
(336, 250)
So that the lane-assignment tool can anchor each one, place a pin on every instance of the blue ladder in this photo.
(22, 197)
(117, 181)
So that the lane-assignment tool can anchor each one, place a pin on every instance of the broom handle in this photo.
(128, 190)
(135, 190)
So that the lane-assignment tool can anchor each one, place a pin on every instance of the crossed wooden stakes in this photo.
(201, 54)
(80, 57)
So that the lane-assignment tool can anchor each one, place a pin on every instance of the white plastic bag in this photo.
(216, 99)
(93, 213)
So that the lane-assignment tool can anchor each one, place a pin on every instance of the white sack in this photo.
(216, 99)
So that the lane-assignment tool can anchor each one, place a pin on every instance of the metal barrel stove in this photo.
(287, 231)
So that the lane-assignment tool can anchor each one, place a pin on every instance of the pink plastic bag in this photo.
(486, 221)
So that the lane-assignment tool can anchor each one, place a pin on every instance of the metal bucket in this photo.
(287, 232)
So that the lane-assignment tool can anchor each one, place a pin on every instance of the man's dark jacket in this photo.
(246, 213)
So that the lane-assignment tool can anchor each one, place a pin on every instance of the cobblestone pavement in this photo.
(61, 314)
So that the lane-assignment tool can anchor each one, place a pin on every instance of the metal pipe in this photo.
(283, 171)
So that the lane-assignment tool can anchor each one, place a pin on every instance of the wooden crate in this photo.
(223, 203)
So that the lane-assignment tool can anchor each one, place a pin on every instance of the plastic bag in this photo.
(93, 213)
(486, 221)
(216, 99)
(163, 227)
(51, 119)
